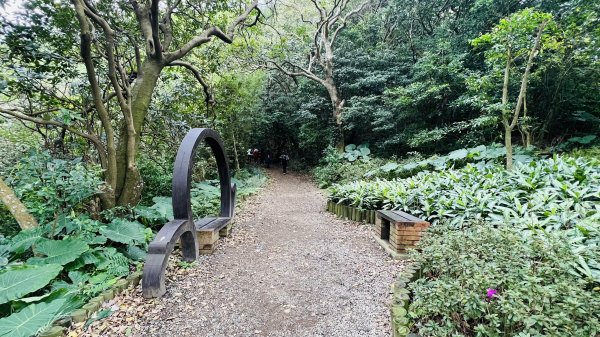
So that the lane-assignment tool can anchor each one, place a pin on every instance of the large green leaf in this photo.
(25, 239)
(16, 282)
(164, 206)
(59, 251)
(458, 154)
(124, 231)
(30, 320)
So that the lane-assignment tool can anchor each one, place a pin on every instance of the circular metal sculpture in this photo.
(182, 227)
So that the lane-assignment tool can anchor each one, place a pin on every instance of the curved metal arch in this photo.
(182, 227)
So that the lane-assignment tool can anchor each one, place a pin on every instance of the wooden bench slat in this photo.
(408, 216)
(399, 216)
(211, 223)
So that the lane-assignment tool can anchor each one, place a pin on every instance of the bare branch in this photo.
(97, 143)
(302, 72)
(208, 34)
(209, 99)
(346, 17)
(155, 29)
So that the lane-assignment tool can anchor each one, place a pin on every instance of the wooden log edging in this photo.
(351, 213)
(401, 297)
(82, 314)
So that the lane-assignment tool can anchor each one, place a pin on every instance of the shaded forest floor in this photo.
(288, 269)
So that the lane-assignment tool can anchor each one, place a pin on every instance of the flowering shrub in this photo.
(486, 281)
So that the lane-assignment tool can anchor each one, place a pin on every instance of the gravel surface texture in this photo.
(288, 269)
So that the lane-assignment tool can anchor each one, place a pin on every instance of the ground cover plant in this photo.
(498, 281)
(494, 153)
(344, 167)
(555, 192)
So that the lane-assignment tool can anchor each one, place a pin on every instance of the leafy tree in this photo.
(514, 45)
(124, 48)
(316, 61)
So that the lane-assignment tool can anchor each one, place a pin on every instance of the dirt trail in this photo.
(289, 269)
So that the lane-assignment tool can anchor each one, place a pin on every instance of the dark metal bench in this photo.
(399, 229)
(183, 227)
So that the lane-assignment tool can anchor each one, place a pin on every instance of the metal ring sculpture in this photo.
(182, 227)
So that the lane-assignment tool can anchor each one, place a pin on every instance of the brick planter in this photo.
(401, 230)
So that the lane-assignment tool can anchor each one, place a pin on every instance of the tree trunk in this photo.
(129, 181)
(235, 152)
(508, 144)
(16, 207)
(338, 107)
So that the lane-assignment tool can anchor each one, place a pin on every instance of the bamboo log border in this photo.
(401, 296)
(351, 213)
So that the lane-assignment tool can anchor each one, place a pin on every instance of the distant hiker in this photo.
(256, 155)
(249, 155)
(284, 162)
(268, 160)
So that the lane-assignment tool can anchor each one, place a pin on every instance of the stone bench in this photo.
(399, 230)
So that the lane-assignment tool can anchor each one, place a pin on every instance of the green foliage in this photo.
(539, 191)
(334, 167)
(25, 239)
(206, 196)
(537, 292)
(456, 159)
(157, 176)
(511, 38)
(50, 187)
(30, 320)
(58, 252)
(575, 142)
(353, 152)
(18, 281)
(73, 256)
(124, 231)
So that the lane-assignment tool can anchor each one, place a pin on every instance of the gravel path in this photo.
(289, 269)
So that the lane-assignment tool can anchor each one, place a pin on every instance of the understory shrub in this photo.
(50, 187)
(335, 167)
(157, 174)
(54, 268)
(49, 271)
(486, 281)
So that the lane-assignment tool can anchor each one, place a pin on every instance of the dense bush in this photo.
(157, 176)
(50, 187)
(72, 257)
(335, 167)
(205, 195)
(485, 281)
(61, 264)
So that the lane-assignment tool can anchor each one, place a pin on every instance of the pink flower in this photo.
(491, 293)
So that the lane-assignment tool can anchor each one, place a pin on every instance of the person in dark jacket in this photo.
(284, 162)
